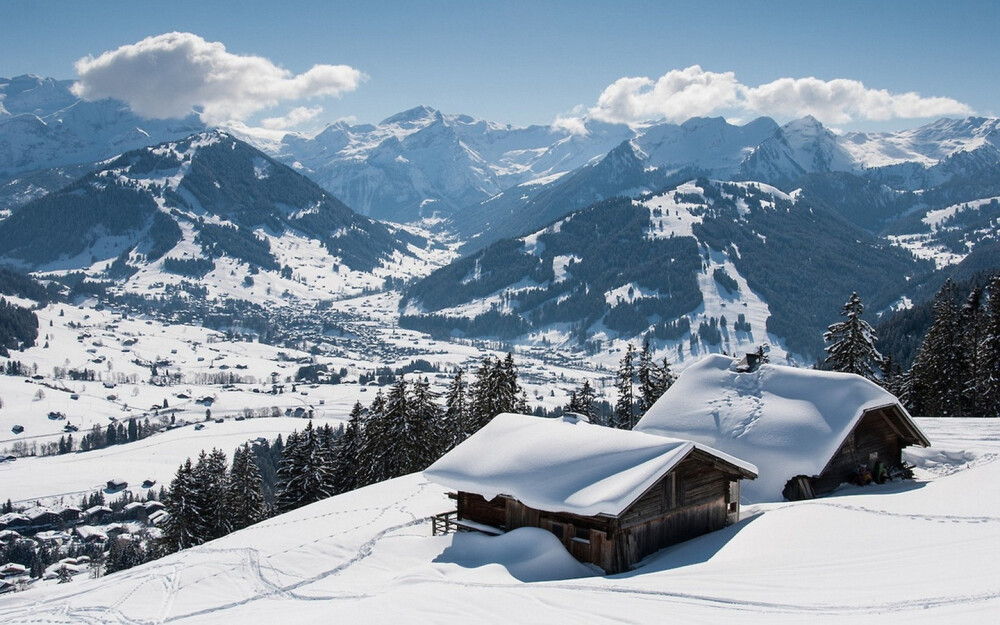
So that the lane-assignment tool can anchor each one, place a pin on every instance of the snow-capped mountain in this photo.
(925, 145)
(708, 144)
(801, 147)
(421, 162)
(695, 266)
(43, 125)
(209, 205)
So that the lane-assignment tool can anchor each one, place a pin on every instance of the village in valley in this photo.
(672, 312)
(697, 454)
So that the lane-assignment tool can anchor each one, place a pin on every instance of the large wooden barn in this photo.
(807, 431)
(611, 496)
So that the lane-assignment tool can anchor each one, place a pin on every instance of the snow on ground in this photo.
(119, 352)
(926, 246)
(62, 479)
(919, 552)
(670, 216)
(936, 218)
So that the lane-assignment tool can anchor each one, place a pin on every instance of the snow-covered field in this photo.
(918, 552)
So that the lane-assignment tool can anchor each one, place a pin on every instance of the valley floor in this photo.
(922, 551)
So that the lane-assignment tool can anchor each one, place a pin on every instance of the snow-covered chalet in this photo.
(612, 496)
(807, 431)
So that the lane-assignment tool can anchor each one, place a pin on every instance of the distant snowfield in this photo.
(920, 552)
(64, 479)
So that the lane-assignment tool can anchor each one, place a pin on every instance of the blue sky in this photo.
(531, 62)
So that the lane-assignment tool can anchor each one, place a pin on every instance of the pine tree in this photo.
(624, 415)
(371, 461)
(582, 402)
(893, 379)
(345, 472)
(972, 322)
(989, 369)
(852, 342)
(495, 391)
(180, 529)
(456, 413)
(434, 436)
(483, 392)
(647, 377)
(512, 398)
(305, 475)
(937, 372)
(244, 497)
(399, 432)
(211, 481)
(654, 380)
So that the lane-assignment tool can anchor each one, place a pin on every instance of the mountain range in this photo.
(799, 214)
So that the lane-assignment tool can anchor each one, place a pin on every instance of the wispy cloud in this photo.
(172, 74)
(295, 117)
(681, 94)
(842, 101)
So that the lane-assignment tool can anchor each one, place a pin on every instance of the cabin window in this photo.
(582, 535)
(557, 529)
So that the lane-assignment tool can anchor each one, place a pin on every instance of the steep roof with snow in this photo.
(787, 421)
(564, 464)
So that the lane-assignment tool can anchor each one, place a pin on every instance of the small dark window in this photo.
(557, 529)
(582, 535)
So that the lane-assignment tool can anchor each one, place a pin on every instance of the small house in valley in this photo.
(807, 431)
(611, 496)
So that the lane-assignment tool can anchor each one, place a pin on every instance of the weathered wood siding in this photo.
(873, 435)
(474, 508)
(691, 500)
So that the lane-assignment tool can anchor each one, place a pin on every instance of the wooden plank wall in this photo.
(872, 435)
(474, 508)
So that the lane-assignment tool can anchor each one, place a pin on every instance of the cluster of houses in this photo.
(38, 520)
(613, 497)
(60, 527)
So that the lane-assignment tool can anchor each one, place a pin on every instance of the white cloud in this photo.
(679, 95)
(295, 117)
(842, 100)
(572, 123)
(169, 75)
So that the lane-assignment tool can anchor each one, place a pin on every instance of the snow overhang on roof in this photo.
(788, 421)
(565, 465)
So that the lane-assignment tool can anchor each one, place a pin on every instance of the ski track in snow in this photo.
(258, 575)
(250, 560)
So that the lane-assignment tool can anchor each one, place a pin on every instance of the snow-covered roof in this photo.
(564, 464)
(787, 421)
(96, 509)
(88, 531)
(37, 512)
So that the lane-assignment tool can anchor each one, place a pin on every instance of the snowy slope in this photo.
(43, 125)
(917, 552)
(799, 147)
(925, 145)
(263, 232)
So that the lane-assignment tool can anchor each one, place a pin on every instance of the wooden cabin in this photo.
(807, 431)
(611, 496)
(871, 451)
